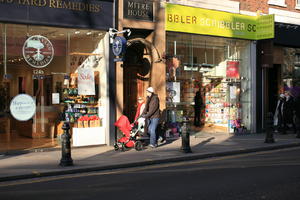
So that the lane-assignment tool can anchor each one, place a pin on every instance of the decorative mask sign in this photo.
(86, 81)
(22, 107)
(38, 51)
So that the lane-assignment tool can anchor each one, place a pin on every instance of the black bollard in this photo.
(185, 139)
(66, 159)
(269, 129)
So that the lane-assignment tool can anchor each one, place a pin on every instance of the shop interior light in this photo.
(89, 33)
(77, 32)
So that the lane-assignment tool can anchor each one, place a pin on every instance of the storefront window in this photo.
(68, 88)
(291, 71)
(217, 67)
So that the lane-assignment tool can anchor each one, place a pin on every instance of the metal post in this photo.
(66, 159)
(185, 138)
(269, 130)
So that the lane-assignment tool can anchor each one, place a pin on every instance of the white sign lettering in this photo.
(22, 107)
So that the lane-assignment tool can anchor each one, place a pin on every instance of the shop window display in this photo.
(54, 87)
(291, 71)
(217, 67)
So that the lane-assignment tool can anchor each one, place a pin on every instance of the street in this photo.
(273, 175)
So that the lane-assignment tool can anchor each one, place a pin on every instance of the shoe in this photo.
(153, 146)
(160, 139)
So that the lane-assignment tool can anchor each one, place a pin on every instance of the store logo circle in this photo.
(38, 51)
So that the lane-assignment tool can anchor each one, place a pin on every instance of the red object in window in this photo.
(232, 70)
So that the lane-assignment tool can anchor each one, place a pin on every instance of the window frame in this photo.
(280, 3)
(297, 4)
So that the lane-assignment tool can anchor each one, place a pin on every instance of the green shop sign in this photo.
(210, 22)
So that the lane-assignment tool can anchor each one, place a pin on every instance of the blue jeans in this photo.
(152, 130)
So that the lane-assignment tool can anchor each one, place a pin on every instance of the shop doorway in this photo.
(136, 78)
(136, 66)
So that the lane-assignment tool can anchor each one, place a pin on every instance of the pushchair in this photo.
(130, 136)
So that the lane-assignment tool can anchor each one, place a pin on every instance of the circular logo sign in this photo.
(38, 51)
(22, 107)
(119, 45)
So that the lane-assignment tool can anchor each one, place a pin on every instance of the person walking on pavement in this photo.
(278, 116)
(288, 112)
(152, 114)
(197, 108)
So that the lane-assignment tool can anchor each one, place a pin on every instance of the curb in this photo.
(186, 157)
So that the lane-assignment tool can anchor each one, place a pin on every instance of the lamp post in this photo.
(66, 159)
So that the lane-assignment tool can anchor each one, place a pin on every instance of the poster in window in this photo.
(86, 81)
(173, 91)
(55, 98)
(232, 70)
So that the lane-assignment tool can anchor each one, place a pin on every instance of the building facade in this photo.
(54, 67)
(143, 64)
(221, 62)
(278, 59)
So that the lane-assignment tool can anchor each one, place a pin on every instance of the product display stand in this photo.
(82, 111)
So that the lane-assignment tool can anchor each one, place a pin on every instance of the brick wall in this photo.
(254, 5)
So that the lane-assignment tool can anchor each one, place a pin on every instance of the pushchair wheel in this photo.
(138, 145)
(116, 146)
(123, 148)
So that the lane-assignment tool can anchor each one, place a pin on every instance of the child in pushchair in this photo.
(130, 132)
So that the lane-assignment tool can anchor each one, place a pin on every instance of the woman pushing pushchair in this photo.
(146, 118)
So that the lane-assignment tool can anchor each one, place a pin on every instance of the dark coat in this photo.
(297, 107)
(198, 101)
(278, 116)
(152, 107)
(288, 110)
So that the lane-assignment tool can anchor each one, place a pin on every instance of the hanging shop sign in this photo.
(22, 107)
(138, 10)
(66, 13)
(86, 81)
(119, 48)
(217, 23)
(38, 51)
(119, 45)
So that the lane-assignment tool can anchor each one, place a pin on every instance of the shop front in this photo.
(213, 53)
(283, 73)
(54, 67)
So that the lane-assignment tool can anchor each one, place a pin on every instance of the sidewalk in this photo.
(37, 164)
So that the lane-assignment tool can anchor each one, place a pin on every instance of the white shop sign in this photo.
(86, 81)
(22, 107)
